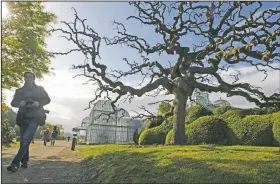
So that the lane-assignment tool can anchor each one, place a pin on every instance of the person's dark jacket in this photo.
(36, 93)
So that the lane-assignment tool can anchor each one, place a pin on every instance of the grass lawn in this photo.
(181, 164)
(15, 144)
(10, 145)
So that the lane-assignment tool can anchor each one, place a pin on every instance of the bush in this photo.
(233, 116)
(271, 110)
(255, 130)
(195, 112)
(254, 111)
(227, 111)
(221, 110)
(233, 123)
(209, 130)
(157, 134)
(275, 118)
(163, 108)
(149, 123)
(236, 113)
(169, 137)
(7, 132)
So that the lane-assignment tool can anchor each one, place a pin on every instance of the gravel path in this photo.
(47, 164)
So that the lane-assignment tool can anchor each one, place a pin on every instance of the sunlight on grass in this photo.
(169, 164)
(10, 145)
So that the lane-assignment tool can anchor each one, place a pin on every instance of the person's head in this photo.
(29, 77)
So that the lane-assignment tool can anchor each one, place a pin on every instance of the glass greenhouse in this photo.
(117, 129)
(221, 102)
(202, 98)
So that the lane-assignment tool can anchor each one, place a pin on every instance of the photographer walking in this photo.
(30, 100)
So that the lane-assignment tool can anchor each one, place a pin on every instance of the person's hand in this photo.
(35, 104)
(22, 103)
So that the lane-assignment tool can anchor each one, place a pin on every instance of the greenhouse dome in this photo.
(221, 102)
(105, 127)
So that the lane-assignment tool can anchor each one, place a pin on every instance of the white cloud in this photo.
(61, 116)
(253, 77)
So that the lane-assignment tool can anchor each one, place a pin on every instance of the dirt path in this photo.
(47, 164)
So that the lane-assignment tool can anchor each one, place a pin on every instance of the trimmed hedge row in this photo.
(223, 109)
(229, 111)
(169, 137)
(149, 123)
(255, 130)
(207, 129)
(157, 134)
(195, 112)
(275, 118)
(228, 126)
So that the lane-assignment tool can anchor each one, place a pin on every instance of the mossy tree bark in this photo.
(179, 103)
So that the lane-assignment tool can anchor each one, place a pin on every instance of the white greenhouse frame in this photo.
(119, 129)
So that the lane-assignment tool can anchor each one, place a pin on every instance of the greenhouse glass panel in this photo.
(118, 129)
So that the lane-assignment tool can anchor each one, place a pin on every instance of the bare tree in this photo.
(230, 38)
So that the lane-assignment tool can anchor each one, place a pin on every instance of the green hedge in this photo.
(149, 123)
(254, 111)
(228, 111)
(275, 117)
(195, 112)
(271, 110)
(241, 126)
(157, 134)
(169, 137)
(237, 113)
(223, 109)
(209, 130)
(233, 116)
(255, 130)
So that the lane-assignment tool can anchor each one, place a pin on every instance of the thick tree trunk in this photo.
(180, 101)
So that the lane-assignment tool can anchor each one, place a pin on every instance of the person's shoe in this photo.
(24, 165)
(12, 168)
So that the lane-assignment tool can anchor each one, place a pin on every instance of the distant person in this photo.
(30, 100)
(68, 138)
(54, 135)
(46, 137)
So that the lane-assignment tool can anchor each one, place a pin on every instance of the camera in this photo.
(29, 102)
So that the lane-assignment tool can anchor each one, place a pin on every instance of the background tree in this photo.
(40, 131)
(7, 131)
(163, 108)
(233, 34)
(10, 115)
(24, 32)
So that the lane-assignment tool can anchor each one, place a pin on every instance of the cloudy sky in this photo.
(70, 97)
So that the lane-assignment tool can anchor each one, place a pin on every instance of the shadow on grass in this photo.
(48, 170)
(136, 167)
